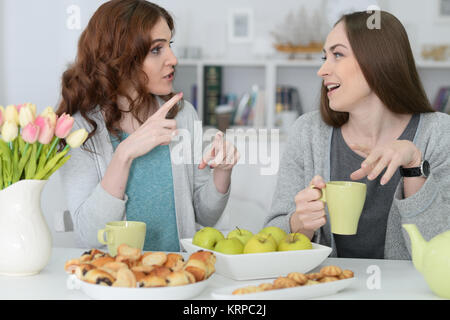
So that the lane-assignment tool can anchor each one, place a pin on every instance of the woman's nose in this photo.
(324, 70)
(171, 59)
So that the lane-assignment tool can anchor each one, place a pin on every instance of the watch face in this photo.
(426, 168)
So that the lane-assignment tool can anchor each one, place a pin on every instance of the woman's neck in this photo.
(374, 124)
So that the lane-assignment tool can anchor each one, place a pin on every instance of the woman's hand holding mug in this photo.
(309, 212)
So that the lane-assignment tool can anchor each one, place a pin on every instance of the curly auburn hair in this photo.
(111, 52)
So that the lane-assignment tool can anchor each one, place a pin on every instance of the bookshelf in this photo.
(239, 75)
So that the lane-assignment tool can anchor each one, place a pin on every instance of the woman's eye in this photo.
(337, 54)
(156, 50)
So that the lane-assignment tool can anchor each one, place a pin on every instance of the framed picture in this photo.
(443, 11)
(240, 25)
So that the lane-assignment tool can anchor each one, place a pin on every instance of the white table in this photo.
(397, 280)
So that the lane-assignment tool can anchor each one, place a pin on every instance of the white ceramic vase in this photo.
(25, 239)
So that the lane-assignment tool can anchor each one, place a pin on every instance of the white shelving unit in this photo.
(295, 72)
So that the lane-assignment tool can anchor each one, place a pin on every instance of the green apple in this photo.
(229, 246)
(295, 241)
(278, 233)
(241, 234)
(260, 243)
(207, 238)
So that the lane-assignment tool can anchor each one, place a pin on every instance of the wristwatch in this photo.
(422, 171)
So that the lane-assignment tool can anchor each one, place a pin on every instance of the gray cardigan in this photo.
(91, 207)
(307, 154)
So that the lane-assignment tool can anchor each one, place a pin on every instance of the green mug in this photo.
(345, 201)
(131, 233)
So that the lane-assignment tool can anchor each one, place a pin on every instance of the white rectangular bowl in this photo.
(264, 265)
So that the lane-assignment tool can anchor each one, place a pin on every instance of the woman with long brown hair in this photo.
(120, 87)
(375, 125)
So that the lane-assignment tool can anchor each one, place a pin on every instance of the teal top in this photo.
(151, 197)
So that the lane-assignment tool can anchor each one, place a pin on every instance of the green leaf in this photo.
(21, 165)
(59, 165)
(30, 169)
(51, 163)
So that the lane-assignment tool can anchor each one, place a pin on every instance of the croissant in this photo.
(125, 278)
(160, 271)
(129, 252)
(197, 268)
(82, 269)
(71, 265)
(113, 267)
(208, 258)
(99, 262)
(154, 258)
(179, 278)
(141, 272)
(152, 281)
(174, 261)
(97, 276)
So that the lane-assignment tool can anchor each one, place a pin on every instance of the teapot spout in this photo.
(418, 245)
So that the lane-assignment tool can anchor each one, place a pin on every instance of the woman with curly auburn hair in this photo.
(120, 86)
(376, 126)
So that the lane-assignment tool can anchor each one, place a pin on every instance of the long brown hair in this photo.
(387, 63)
(111, 52)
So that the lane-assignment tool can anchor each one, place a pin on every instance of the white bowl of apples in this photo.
(270, 253)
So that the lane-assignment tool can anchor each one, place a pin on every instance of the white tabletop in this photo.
(376, 279)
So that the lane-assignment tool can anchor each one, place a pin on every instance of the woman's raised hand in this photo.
(309, 212)
(390, 157)
(155, 131)
(222, 154)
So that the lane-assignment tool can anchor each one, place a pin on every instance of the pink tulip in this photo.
(30, 133)
(1, 117)
(46, 130)
(63, 126)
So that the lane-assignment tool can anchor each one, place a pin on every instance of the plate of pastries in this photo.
(295, 285)
(134, 274)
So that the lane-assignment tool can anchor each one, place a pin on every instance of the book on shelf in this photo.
(194, 99)
(212, 93)
(442, 100)
(251, 108)
(287, 99)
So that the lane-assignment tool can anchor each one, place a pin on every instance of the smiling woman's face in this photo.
(341, 74)
(160, 61)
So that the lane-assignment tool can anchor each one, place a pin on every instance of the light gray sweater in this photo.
(307, 154)
(196, 197)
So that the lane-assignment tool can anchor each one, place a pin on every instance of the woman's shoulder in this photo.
(436, 123)
(310, 121)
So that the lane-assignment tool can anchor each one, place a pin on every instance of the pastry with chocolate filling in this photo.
(97, 276)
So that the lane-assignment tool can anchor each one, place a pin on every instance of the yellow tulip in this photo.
(11, 114)
(32, 107)
(10, 130)
(25, 116)
(77, 138)
(50, 114)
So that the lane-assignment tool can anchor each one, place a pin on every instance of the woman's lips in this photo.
(169, 76)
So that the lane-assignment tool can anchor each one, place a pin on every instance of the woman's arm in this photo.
(116, 176)
(90, 205)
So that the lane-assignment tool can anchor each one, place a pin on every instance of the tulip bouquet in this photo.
(28, 144)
